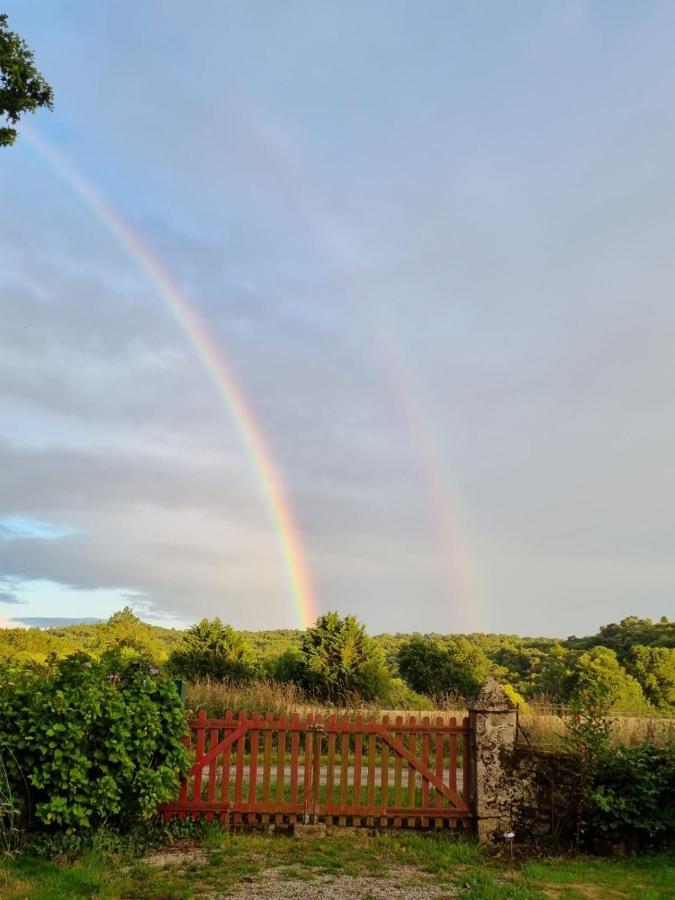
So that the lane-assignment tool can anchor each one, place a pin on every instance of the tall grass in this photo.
(261, 696)
(264, 695)
(543, 725)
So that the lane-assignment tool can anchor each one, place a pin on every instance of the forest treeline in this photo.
(631, 663)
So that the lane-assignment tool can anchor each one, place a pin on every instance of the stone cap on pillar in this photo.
(491, 697)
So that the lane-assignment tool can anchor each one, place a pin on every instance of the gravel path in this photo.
(403, 883)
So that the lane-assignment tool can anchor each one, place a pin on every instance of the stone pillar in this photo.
(493, 721)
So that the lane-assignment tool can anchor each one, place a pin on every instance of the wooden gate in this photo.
(336, 770)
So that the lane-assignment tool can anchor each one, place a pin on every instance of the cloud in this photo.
(435, 256)
(9, 597)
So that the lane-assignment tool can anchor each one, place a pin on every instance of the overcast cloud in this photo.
(434, 243)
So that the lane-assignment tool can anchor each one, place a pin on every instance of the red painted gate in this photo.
(336, 770)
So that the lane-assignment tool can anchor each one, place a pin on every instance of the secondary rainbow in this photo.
(211, 358)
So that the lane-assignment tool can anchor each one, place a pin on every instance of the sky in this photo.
(431, 244)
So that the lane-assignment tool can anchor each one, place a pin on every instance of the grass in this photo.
(544, 729)
(221, 862)
(265, 695)
(541, 723)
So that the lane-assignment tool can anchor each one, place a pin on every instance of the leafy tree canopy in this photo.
(338, 661)
(431, 668)
(22, 87)
(627, 633)
(598, 674)
(654, 668)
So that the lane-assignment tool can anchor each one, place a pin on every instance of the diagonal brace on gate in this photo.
(223, 745)
(425, 772)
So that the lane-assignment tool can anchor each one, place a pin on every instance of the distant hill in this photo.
(55, 621)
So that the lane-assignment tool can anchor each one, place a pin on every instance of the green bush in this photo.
(93, 741)
(213, 650)
(597, 672)
(340, 663)
(458, 666)
(633, 793)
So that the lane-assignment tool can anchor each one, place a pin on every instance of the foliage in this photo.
(654, 669)
(284, 668)
(586, 742)
(622, 790)
(516, 698)
(445, 666)
(633, 792)
(123, 629)
(400, 696)
(553, 677)
(628, 633)
(96, 741)
(22, 88)
(421, 663)
(339, 662)
(213, 650)
(520, 661)
(429, 667)
(597, 674)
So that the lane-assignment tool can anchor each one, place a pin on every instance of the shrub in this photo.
(431, 668)
(213, 650)
(597, 672)
(654, 668)
(340, 663)
(633, 792)
(284, 668)
(97, 741)
(400, 696)
(517, 699)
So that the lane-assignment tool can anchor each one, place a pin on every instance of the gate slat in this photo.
(295, 744)
(307, 770)
(384, 775)
(267, 761)
(239, 774)
(412, 785)
(316, 767)
(358, 742)
(330, 763)
(253, 765)
(453, 759)
(281, 758)
(425, 762)
(344, 767)
(372, 744)
(225, 778)
(440, 767)
(398, 769)
(213, 769)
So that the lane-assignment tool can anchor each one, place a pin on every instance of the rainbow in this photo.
(456, 560)
(189, 322)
